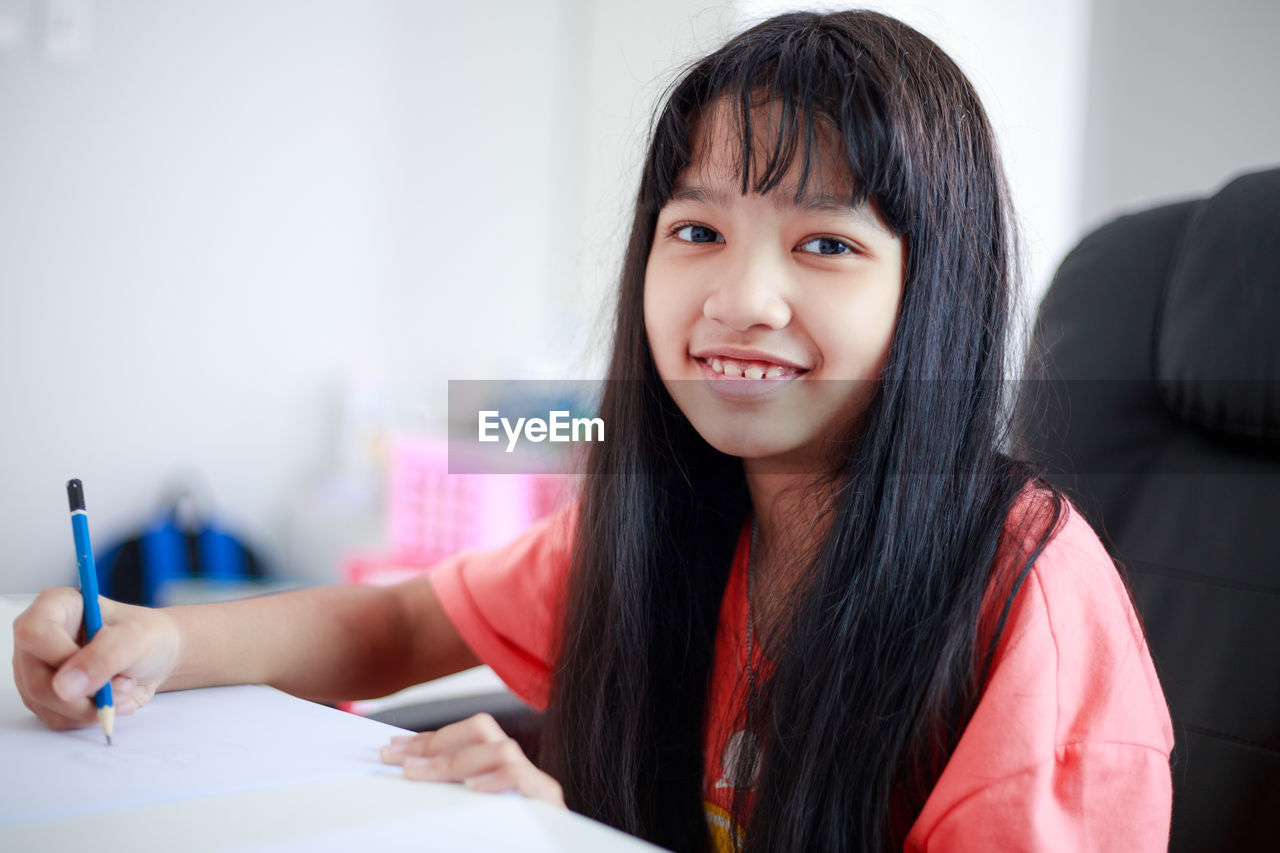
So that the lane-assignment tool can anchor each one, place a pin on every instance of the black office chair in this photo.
(1154, 402)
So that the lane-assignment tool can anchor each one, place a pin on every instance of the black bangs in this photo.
(795, 99)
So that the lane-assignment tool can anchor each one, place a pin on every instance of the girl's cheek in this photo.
(650, 320)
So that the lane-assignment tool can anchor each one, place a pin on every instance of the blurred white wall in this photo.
(216, 211)
(216, 216)
(1181, 96)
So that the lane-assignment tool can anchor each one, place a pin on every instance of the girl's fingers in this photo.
(482, 728)
(57, 678)
(490, 767)
(476, 752)
(32, 677)
(535, 785)
(113, 649)
(403, 745)
(46, 632)
(34, 680)
(60, 722)
(129, 695)
(47, 629)
(466, 762)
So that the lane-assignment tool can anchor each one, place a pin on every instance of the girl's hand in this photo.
(136, 649)
(477, 753)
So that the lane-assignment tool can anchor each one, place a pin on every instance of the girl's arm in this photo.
(328, 643)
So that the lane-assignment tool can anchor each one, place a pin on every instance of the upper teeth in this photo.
(747, 369)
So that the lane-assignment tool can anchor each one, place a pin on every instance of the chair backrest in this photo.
(1153, 399)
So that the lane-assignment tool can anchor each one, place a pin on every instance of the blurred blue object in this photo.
(176, 546)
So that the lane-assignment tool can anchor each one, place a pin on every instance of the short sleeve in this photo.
(1089, 797)
(506, 603)
(1069, 746)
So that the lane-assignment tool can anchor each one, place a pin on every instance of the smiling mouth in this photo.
(733, 368)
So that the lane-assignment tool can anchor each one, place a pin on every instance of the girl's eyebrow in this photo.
(809, 202)
(700, 195)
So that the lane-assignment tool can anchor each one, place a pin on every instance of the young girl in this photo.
(803, 602)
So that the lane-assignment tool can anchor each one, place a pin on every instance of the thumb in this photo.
(113, 649)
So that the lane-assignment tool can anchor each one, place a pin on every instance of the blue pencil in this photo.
(89, 591)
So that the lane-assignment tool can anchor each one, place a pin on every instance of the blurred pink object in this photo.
(432, 514)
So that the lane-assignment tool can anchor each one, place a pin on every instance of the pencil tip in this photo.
(107, 716)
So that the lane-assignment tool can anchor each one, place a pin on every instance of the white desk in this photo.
(312, 811)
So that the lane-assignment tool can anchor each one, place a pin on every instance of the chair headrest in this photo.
(1218, 335)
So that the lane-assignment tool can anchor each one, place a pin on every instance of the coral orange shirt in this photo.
(1067, 750)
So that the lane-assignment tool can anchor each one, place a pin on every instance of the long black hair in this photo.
(881, 663)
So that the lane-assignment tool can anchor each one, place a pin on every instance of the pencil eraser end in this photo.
(75, 495)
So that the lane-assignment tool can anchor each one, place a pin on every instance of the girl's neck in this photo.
(789, 511)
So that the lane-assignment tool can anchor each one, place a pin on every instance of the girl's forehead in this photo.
(775, 153)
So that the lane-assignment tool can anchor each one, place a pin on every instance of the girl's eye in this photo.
(826, 246)
(698, 234)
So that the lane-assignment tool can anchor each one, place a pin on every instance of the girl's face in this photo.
(769, 320)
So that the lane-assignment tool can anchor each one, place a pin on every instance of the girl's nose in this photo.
(749, 294)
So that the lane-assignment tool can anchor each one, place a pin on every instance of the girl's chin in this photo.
(793, 455)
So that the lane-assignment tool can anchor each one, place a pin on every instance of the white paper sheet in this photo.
(181, 745)
(501, 822)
